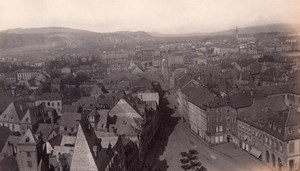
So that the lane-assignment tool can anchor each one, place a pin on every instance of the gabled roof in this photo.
(82, 159)
(4, 134)
(28, 138)
(126, 107)
(45, 129)
(6, 98)
(14, 112)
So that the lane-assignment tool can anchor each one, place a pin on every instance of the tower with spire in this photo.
(236, 33)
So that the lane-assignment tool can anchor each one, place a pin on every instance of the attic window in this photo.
(274, 127)
(279, 129)
(290, 130)
(270, 124)
(27, 139)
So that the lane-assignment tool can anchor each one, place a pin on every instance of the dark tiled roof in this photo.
(184, 80)
(200, 96)
(70, 119)
(4, 134)
(5, 99)
(241, 100)
(9, 163)
(49, 96)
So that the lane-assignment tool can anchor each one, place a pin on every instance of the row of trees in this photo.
(190, 161)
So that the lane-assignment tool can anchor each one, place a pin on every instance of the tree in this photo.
(189, 161)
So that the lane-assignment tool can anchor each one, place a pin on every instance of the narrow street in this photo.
(177, 137)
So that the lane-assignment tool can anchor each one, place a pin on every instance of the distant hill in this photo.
(65, 37)
(260, 29)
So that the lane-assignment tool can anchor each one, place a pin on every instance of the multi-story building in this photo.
(25, 74)
(269, 130)
(27, 156)
(51, 100)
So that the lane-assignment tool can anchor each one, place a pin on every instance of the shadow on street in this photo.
(168, 123)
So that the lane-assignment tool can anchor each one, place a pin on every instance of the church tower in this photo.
(236, 32)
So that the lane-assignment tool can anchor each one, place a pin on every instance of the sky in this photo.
(163, 16)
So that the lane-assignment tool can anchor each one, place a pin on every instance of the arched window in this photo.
(273, 160)
(279, 162)
(267, 156)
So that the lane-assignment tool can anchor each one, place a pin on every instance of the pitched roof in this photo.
(4, 134)
(45, 129)
(184, 80)
(14, 112)
(28, 138)
(5, 99)
(70, 119)
(241, 100)
(82, 159)
(49, 96)
(9, 163)
(200, 96)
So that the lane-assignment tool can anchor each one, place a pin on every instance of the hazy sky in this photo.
(165, 16)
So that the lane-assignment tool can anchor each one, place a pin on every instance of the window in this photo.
(280, 146)
(28, 154)
(217, 139)
(66, 128)
(291, 164)
(221, 138)
(267, 156)
(29, 163)
(290, 130)
(48, 103)
(217, 129)
(72, 129)
(291, 147)
(221, 128)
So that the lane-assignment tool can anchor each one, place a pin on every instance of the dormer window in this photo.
(290, 130)
(279, 129)
(270, 124)
(274, 127)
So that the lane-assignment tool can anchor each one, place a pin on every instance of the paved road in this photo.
(181, 138)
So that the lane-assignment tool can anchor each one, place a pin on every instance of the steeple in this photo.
(236, 32)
